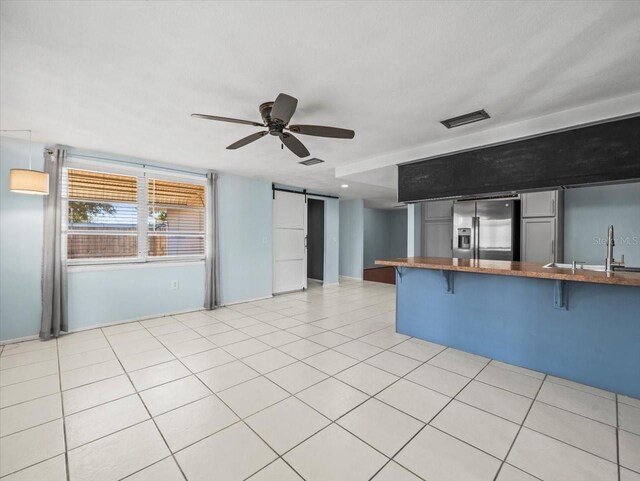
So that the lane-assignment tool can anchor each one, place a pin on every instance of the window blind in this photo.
(176, 218)
(102, 215)
(115, 216)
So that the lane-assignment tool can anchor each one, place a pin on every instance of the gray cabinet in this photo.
(438, 209)
(539, 204)
(539, 240)
(437, 239)
(438, 228)
(542, 229)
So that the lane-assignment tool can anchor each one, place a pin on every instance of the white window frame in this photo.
(142, 173)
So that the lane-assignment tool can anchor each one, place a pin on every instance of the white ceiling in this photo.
(123, 77)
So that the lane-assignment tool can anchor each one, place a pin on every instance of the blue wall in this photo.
(331, 244)
(414, 230)
(398, 233)
(376, 229)
(385, 235)
(512, 319)
(104, 295)
(351, 238)
(246, 249)
(101, 295)
(588, 213)
(20, 245)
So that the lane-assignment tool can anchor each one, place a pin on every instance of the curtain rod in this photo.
(130, 162)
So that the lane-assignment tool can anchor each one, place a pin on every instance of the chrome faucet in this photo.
(610, 262)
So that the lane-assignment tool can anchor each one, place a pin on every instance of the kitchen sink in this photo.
(626, 269)
(586, 267)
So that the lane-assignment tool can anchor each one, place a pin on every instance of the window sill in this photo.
(128, 265)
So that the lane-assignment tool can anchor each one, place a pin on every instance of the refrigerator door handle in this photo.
(475, 226)
(477, 237)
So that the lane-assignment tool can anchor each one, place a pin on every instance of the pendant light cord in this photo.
(30, 142)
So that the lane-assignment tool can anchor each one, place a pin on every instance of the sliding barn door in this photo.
(289, 239)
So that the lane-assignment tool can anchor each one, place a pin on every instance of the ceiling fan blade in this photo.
(247, 140)
(227, 119)
(284, 107)
(294, 145)
(322, 131)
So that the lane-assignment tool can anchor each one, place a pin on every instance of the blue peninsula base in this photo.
(585, 332)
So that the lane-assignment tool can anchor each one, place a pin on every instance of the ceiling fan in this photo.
(275, 117)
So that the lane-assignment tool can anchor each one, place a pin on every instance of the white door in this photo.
(289, 239)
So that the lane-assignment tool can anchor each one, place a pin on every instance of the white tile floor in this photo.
(314, 386)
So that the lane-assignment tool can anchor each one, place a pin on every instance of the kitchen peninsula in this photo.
(580, 324)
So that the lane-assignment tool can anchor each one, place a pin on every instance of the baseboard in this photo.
(332, 284)
(246, 300)
(352, 278)
(19, 339)
(104, 324)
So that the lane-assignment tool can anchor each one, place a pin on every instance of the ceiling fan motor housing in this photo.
(275, 126)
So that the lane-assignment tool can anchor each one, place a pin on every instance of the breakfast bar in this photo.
(578, 324)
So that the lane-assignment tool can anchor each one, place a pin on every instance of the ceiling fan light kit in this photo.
(275, 117)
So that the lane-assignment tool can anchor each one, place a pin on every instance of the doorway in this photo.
(315, 239)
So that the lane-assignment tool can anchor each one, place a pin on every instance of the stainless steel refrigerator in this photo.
(487, 229)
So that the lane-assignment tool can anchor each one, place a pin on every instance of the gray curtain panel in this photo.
(211, 284)
(54, 259)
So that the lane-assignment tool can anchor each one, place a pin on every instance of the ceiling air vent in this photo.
(312, 161)
(465, 119)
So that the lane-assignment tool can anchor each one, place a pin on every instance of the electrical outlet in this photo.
(174, 284)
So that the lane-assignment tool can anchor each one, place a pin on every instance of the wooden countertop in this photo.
(519, 269)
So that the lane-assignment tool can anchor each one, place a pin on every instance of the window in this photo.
(140, 217)
(176, 218)
(102, 215)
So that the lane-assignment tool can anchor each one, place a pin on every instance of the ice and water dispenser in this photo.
(464, 238)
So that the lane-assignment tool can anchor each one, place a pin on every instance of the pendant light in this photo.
(28, 181)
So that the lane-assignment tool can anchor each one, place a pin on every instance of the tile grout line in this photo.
(47, 422)
(146, 408)
(358, 361)
(264, 375)
(64, 421)
(519, 430)
(291, 395)
(432, 418)
(240, 419)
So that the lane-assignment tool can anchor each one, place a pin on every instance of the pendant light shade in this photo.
(28, 181)
(25, 181)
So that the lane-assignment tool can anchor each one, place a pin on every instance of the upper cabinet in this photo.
(438, 209)
(438, 228)
(542, 228)
(540, 204)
